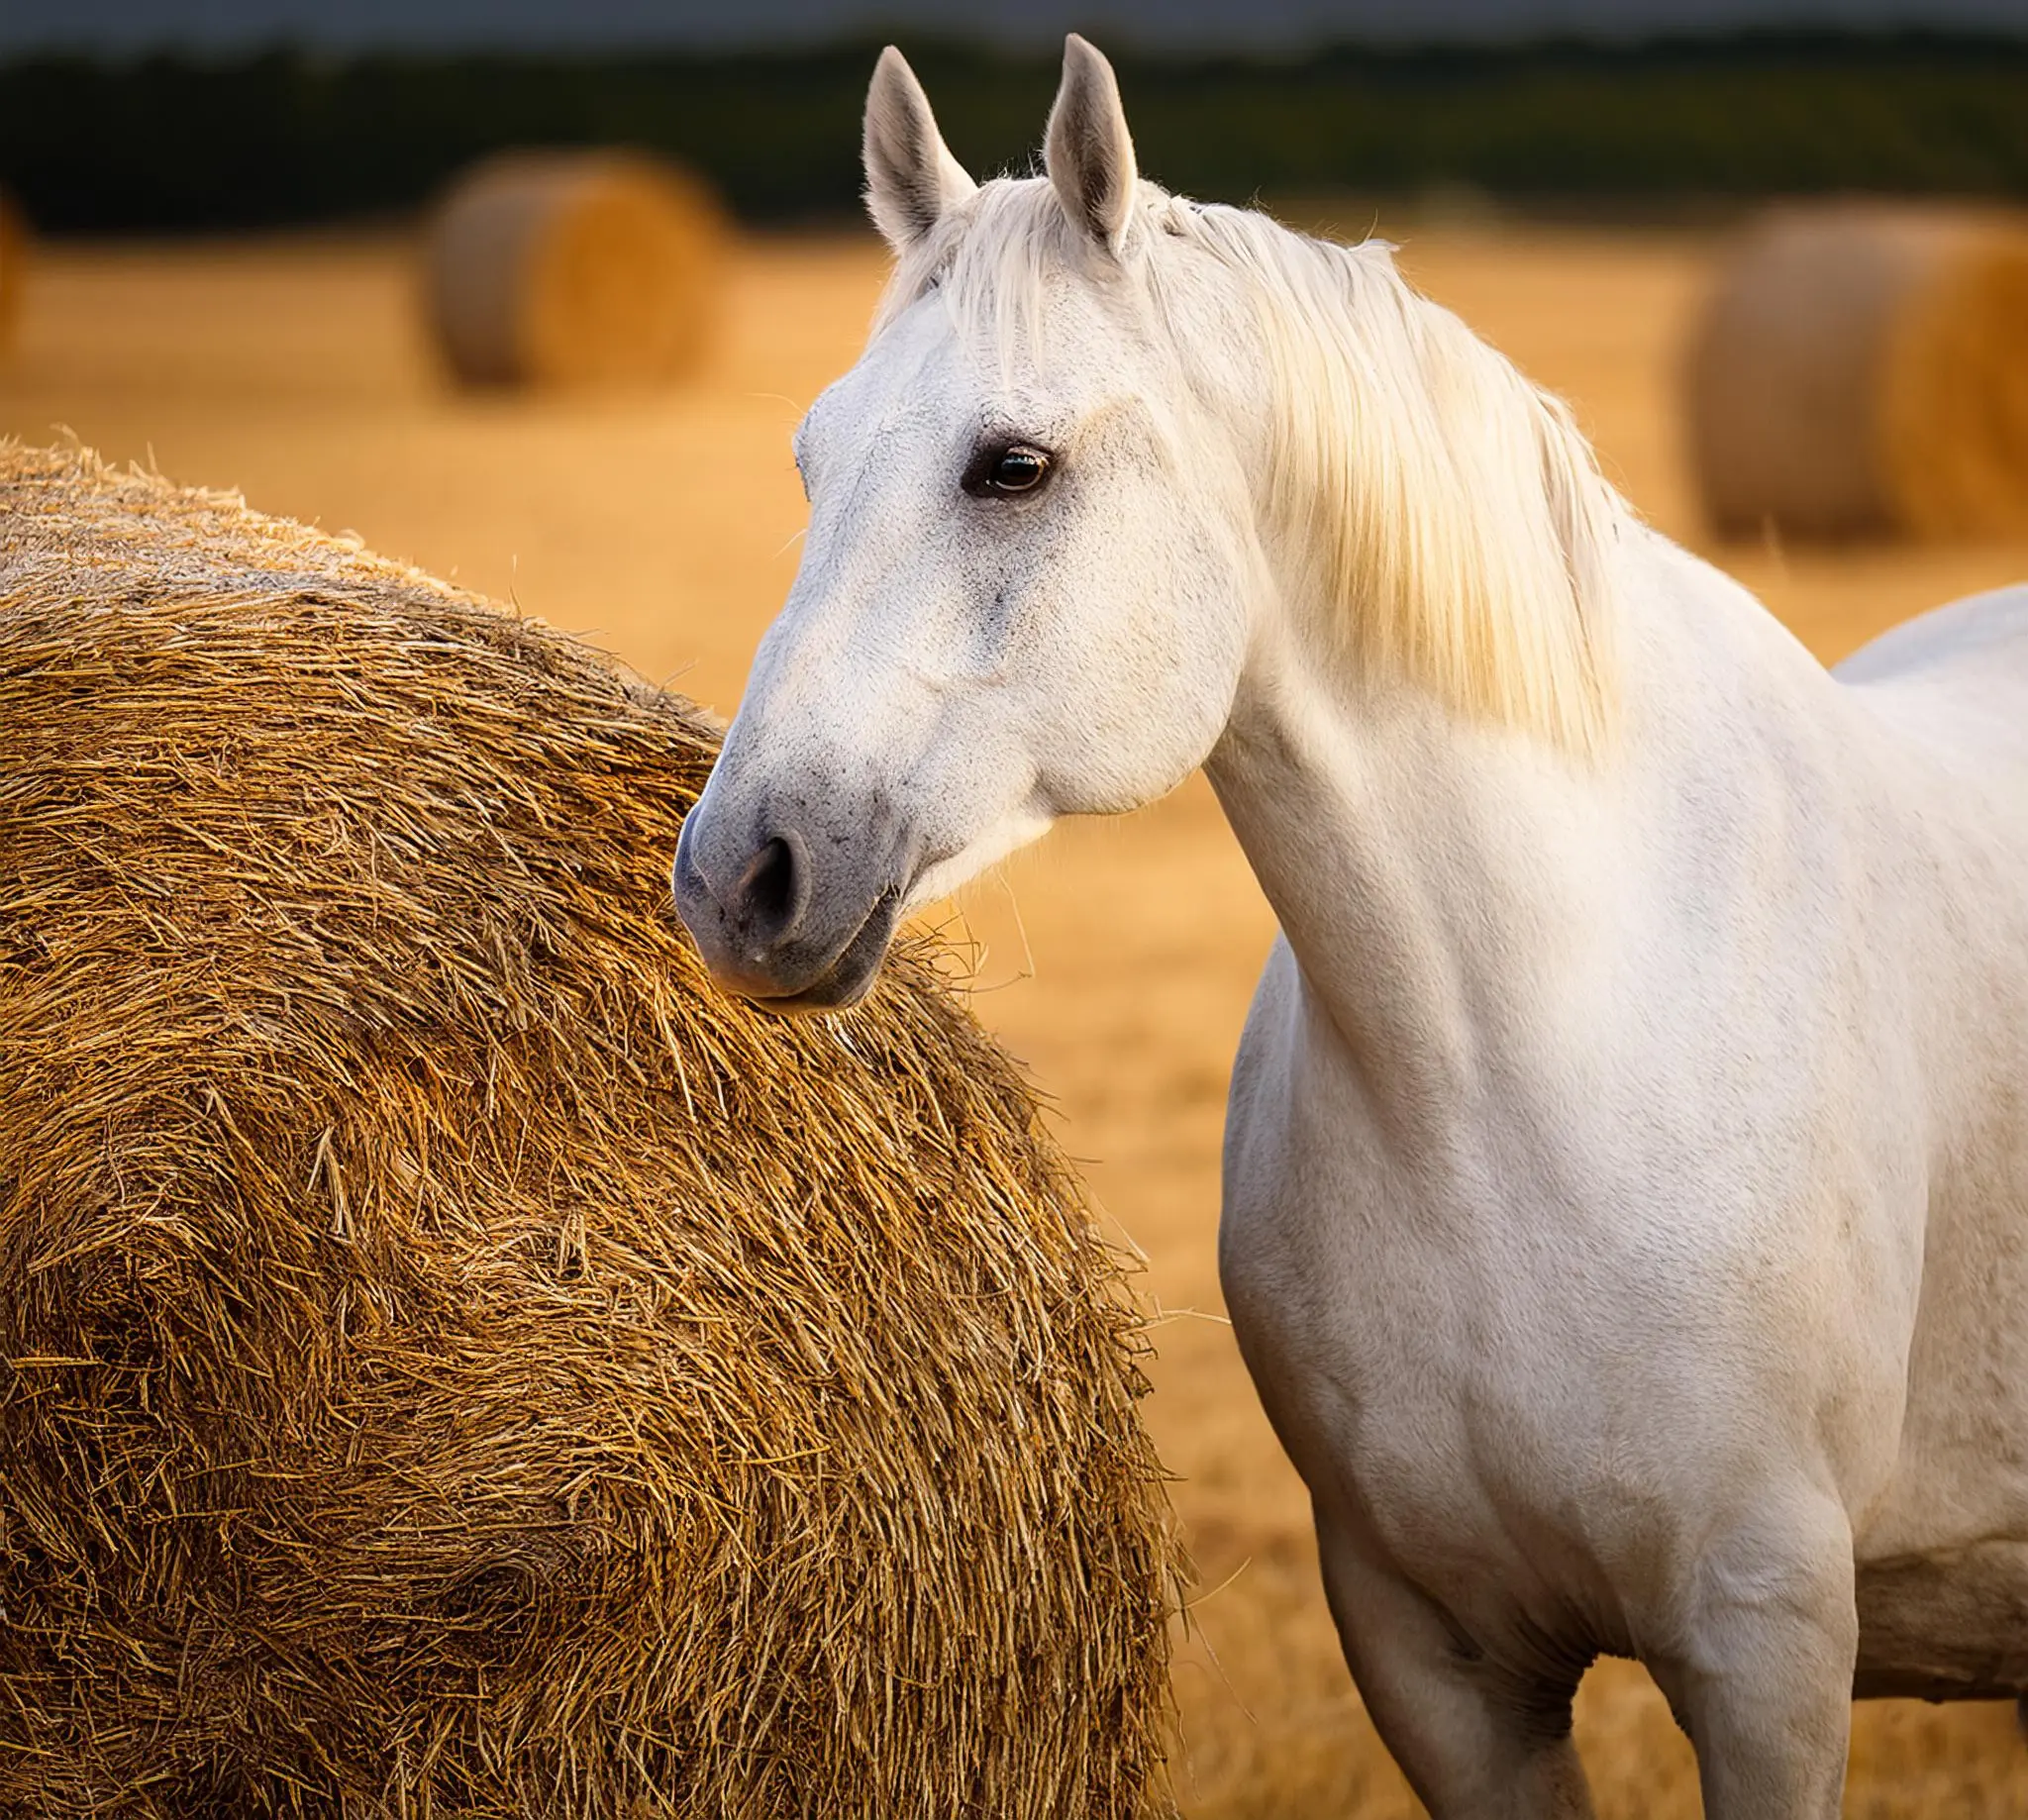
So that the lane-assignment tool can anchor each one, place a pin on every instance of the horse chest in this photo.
(1519, 1492)
(1501, 1403)
(1480, 1430)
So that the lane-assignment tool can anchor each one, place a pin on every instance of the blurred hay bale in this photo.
(14, 256)
(574, 268)
(455, 1362)
(1862, 369)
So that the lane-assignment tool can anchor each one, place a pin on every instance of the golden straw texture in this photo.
(454, 1361)
(574, 268)
(1862, 369)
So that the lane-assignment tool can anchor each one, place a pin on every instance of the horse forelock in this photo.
(1446, 515)
(991, 261)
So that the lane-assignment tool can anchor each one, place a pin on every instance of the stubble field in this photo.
(1118, 958)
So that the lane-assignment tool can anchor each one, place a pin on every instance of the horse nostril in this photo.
(775, 888)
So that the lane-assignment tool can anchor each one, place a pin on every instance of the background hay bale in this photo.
(1862, 369)
(14, 253)
(454, 1361)
(574, 267)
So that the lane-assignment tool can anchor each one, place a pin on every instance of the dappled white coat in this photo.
(1626, 1186)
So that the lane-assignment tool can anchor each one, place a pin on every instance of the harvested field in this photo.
(1118, 959)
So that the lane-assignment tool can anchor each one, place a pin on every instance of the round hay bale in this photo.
(456, 1363)
(574, 268)
(1860, 369)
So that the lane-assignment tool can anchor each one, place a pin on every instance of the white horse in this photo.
(1626, 1183)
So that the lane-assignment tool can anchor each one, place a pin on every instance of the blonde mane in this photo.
(1447, 513)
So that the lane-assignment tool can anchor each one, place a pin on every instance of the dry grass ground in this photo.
(1118, 959)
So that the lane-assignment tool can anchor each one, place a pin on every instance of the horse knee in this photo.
(1763, 1679)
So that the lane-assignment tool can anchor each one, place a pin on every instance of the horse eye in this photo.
(1018, 468)
(1015, 467)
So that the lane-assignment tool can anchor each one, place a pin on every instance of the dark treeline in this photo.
(164, 145)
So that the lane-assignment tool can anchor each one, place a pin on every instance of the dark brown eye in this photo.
(1005, 468)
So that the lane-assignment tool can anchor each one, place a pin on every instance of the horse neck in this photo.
(1438, 880)
(1424, 750)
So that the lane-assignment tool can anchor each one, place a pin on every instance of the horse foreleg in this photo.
(1475, 1744)
(1764, 1680)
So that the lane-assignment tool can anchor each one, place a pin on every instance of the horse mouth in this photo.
(850, 977)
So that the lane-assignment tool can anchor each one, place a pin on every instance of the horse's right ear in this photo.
(911, 178)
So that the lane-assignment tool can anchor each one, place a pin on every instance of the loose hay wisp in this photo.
(1862, 369)
(574, 268)
(455, 1363)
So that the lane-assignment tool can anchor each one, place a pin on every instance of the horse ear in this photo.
(1089, 153)
(911, 178)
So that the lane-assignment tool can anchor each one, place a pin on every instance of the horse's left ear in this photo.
(1089, 153)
